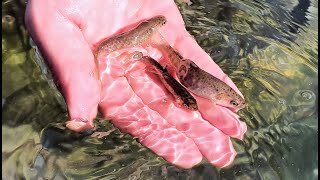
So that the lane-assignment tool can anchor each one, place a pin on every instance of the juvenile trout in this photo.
(136, 36)
(181, 95)
(206, 85)
(200, 82)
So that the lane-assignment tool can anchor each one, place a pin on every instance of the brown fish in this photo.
(136, 36)
(200, 82)
(206, 85)
(181, 95)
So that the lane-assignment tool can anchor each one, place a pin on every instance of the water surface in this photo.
(268, 48)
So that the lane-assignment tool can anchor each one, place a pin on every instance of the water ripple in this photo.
(268, 48)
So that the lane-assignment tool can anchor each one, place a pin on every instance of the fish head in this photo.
(157, 21)
(191, 104)
(186, 66)
(231, 100)
(150, 26)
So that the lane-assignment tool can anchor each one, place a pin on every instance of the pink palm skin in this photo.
(67, 32)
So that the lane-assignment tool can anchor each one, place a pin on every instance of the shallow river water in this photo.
(268, 48)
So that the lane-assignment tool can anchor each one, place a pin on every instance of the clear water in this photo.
(270, 50)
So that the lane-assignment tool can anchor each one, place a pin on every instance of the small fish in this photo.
(136, 36)
(182, 96)
(206, 85)
(200, 82)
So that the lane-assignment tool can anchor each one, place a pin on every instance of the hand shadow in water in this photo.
(36, 105)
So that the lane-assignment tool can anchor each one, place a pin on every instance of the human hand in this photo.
(66, 33)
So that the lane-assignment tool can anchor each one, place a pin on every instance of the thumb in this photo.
(70, 59)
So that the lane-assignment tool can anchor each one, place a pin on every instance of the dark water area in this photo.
(268, 48)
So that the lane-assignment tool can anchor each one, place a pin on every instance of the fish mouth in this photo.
(230, 108)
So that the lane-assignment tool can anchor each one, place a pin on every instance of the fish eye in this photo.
(185, 105)
(194, 65)
(234, 102)
(164, 22)
(162, 19)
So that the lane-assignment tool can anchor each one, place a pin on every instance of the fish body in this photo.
(136, 36)
(200, 82)
(206, 85)
(181, 95)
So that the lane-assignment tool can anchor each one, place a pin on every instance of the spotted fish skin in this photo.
(136, 36)
(181, 95)
(206, 85)
(200, 82)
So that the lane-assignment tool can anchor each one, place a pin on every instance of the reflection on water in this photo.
(269, 48)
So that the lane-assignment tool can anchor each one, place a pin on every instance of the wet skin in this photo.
(182, 96)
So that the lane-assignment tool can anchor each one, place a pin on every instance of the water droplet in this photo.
(315, 171)
(306, 94)
(304, 97)
(282, 101)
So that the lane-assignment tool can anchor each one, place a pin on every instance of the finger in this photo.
(131, 115)
(223, 118)
(212, 143)
(70, 58)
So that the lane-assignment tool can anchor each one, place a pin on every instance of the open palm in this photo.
(66, 33)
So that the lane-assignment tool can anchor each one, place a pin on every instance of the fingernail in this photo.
(79, 124)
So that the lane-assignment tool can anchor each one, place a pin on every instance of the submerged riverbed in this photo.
(268, 48)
